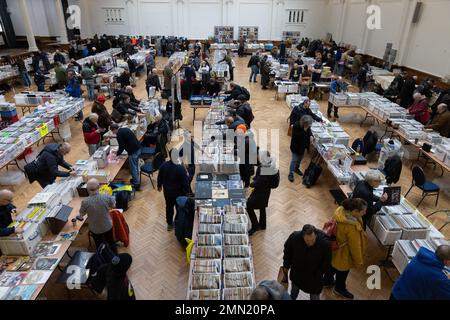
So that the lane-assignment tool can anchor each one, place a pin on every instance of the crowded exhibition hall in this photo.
(226, 150)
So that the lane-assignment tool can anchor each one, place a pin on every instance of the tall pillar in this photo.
(28, 27)
(62, 22)
(85, 31)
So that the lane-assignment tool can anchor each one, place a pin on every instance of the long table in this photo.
(75, 204)
(393, 131)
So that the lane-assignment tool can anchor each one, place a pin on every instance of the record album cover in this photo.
(13, 263)
(46, 249)
(37, 277)
(21, 293)
(67, 236)
(45, 264)
(11, 279)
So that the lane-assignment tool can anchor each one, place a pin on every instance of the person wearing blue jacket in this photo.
(73, 88)
(337, 85)
(425, 277)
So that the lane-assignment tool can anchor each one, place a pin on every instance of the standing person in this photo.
(92, 133)
(420, 108)
(364, 190)
(73, 88)
(7, 210)
(356, 66)
(265, 73)
(253, 64)
(132, 68)
(59, 57)
(127, 141)
(124, 79)
(424, 277)
(352, 244)
(61, 75)
(104, 118)
(204, 72)
(39, 80)
(45, 61)
(97, 207)
(153, 81)
(295, 73)
(189, 73)
(150, 62)
(35, 60)
(405, 98)
(229, 61)
(173, 179)
(88, 76)
(164, 46)
(282, 51)
(303, 109)
(244, 110)
(267, 177)
(45, 168)
(241, 48)
(337, 85)
(300, 142)
(316, 70)
(363, 75)
(308, 256)
(26, 80)
(168, 74)
(244, 148)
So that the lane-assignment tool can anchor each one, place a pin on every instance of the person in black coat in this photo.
(213, 88)
(295, 73)
(300, 142)
(301, 110)
(115, 279)
(405, 98)
(307, 254)
(127, 141)
(153, 81)
(364, 190)
(124, 79)
(393, 169)
(244, 110)
(48, 161)
(157, 134)
(173, 178)
(267, 177)
(245, 148)
(58, 57)
(189, 73)
(234, 93)
(123, 108)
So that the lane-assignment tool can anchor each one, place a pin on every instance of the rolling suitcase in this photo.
(313, 172)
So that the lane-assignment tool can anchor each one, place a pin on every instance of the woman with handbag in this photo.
(351, 245)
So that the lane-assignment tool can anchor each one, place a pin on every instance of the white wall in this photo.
(42, 14)
(423, 46)
(189, 18)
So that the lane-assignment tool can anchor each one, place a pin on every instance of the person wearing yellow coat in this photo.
(352, 244)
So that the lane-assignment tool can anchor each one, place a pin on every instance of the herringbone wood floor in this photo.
(160, 270)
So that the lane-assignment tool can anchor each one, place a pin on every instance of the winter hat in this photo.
(101, 99)
(121, 263)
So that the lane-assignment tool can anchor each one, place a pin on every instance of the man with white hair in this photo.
(45, 168)
(7, 210)
(97, 207)
(364, 190)
(92, 133)
(420, 108)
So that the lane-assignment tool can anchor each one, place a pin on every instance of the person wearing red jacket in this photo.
(92, 133)
(420, 108)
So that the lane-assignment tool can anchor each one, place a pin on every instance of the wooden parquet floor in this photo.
(160, 270)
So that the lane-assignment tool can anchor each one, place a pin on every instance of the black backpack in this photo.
(245, 92)
(102, 257)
